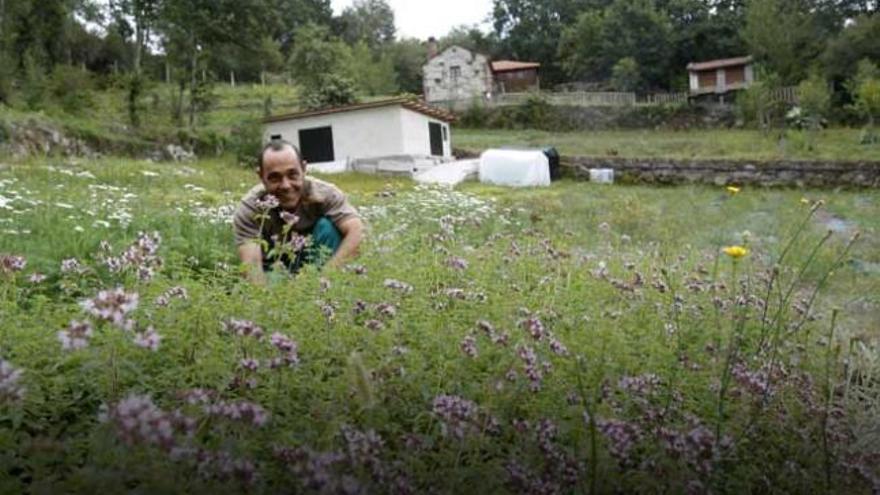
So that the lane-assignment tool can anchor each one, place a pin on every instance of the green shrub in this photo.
(245, 141)
(475, 116)
(333, 90)
(71, 87)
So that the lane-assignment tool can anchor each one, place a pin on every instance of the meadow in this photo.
(575, 339)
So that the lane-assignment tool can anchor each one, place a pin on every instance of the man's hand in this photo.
(352, 230)
(251, 256)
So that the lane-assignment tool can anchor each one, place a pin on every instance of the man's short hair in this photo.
(277, 144)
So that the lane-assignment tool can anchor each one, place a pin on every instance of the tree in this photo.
(783, 35)
(369, 21)
(191, 27)
(471, 38)
(758, 105)
(866, 91)
(407, 55)
(814, 99)
(335, 90)
(531, 29)
(373, 73)
(317, 53)
(625, 75)
(579, 48)
(626, 28)
(859, 41)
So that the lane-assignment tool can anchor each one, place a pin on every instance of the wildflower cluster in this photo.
(141, 257)
(138, 420)
(176, 292)
(461, 418)
(11, 264)
(112, 306)
(76, 335)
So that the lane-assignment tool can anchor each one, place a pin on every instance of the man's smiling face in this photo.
(282, 174)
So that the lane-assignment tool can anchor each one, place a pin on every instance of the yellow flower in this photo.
(735, 252)
(733, 189)
(805, 201)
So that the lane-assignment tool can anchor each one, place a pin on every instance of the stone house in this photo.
(456, 74)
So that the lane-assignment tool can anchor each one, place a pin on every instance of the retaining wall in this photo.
(798, 173)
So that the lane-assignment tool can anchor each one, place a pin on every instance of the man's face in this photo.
(282, 176)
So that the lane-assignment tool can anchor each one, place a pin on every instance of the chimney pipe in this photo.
(432, 47)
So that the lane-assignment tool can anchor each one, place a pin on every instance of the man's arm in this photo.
(251, 256)
(352, 230)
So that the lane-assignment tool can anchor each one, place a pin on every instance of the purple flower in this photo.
(243, 328)
(457, 263)
(268, 202)
(76, 335)
(459, 416)
(11, 389)
(621, 437)
(534, 327)
(148, 339)
(469, 346)
(387, 310)
(246, 411)
(374, 325)
(558, 347)
(288, 217)
(398, 285)
(70, 265)
(36, 278)
(112, 306)
(11, 263)
(138, 420)
(249, 364)
(289, 349)
(174, 292)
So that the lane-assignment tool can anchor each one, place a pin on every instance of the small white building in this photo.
(400, 127)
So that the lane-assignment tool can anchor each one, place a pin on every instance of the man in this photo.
(287, 203)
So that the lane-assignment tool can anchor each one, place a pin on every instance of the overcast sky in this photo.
(424, 18)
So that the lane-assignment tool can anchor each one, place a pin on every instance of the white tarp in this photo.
(336, 167)
(449, 173)
(514, 168)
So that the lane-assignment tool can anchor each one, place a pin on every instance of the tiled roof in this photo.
(717, 64)
(505, 65)
(406, 102)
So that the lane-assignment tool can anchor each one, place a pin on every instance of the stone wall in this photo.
(798, 173)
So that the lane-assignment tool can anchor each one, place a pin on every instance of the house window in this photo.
(455, 72)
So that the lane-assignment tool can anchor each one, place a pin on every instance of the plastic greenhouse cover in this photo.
(514, 168)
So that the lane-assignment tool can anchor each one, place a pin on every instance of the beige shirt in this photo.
(319, 199)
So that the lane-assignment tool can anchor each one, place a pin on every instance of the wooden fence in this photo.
(582, 98)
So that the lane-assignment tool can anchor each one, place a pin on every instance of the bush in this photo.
(756, 105)
(245, 141)
(476, 115)
(332, 90)
(625, 75)
(34, 85)
(71, 87)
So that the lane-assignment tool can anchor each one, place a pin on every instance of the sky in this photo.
(424, 18)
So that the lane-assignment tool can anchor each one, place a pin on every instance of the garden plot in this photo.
(573, 339)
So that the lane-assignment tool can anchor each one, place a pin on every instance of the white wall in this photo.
(417, 137)
(366, 133)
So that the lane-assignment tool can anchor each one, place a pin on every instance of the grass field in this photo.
(574, 339)
(831, 144)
